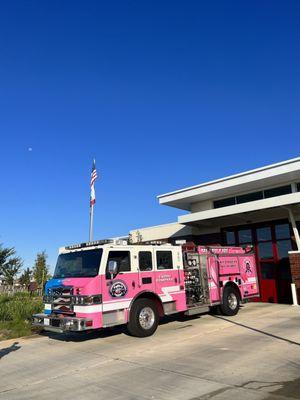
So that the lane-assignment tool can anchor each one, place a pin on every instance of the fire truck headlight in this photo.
(92, 299)
(87, 300)
(97, 299)
(70, 323)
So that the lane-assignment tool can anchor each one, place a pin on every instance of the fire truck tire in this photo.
(143, 318)
(231, 301)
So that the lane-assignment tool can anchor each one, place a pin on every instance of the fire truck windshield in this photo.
(78, 264)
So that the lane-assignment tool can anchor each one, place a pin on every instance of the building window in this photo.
(265, 250)
(230, 238)
(284, 270)
(145, 260)
(282, 231)
(248, 197)
(279, 191)
(245, 236)
(283, 248)
(267, 270)
(298, 187)
(164, 260)
(245, 198)
(224, 202)
(263, 234)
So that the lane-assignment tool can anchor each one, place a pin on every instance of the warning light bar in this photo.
(121, 242)
(89, 244)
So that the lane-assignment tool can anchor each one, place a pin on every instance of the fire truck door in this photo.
(167, 274)
(121, 288)
(146, 279)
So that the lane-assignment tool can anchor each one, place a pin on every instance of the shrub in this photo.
(16, 311)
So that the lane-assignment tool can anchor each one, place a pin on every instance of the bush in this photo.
(16, 311)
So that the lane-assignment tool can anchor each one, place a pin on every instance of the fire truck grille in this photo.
(61, 299)
(55, 322)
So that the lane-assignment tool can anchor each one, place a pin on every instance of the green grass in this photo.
(15, 314)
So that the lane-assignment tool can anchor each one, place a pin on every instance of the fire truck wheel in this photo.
(231, 301)
(143, 318)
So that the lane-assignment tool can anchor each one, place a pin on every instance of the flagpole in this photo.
(91, 222)
(92, 200)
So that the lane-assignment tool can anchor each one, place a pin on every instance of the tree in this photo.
(41, 269)
(25, 278)
(139, 237)
(9, 264)
(130, 239)
(135, 238)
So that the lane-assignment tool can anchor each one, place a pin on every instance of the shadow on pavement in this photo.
(258, 330)
(113, 331)
(7, 350)
(287, 389)
(178, 318)
(291, 389)
(83, 336)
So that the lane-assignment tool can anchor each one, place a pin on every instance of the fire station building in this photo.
(260, 207)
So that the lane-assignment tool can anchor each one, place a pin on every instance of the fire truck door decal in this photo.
(167, 291)
(118, 289)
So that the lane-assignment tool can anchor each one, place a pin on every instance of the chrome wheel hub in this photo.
(146, 318)
(232, 301)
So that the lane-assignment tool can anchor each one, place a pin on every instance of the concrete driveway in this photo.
(255, 355)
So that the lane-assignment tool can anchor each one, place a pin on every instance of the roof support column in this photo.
(295, 229)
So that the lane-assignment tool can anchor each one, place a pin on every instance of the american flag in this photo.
(93, 178)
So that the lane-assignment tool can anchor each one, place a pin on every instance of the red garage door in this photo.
(272, 242)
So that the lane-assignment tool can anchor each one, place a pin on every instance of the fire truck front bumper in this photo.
(60, 324)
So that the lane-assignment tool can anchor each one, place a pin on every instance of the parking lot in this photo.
(254, 355)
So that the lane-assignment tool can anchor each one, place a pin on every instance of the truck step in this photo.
(197, 310)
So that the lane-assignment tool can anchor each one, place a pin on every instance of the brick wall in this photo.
(295, 270)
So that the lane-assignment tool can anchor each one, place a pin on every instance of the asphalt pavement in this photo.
(254, 355)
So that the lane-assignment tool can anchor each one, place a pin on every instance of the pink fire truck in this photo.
(106, 283)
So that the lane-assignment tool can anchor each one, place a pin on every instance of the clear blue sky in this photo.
(164, 94)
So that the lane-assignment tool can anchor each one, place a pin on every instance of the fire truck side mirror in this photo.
(112, 268)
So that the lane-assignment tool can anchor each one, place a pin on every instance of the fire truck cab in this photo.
(106, 283)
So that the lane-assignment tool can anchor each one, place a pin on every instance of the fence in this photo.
(11, 289)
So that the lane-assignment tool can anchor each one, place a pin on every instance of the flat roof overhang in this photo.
(266, 209)
(261, 178)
